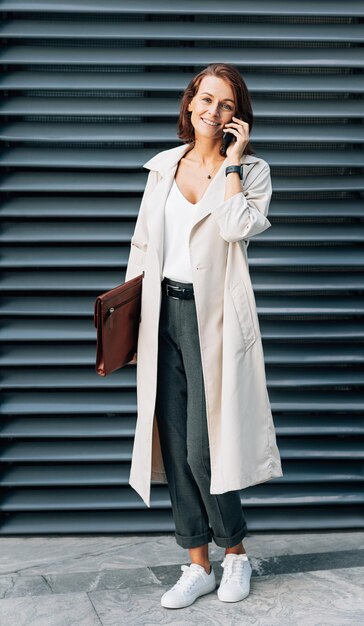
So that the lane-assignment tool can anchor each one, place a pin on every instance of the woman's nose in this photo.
(214, 110)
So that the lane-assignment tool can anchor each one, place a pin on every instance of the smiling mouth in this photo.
(209, 123)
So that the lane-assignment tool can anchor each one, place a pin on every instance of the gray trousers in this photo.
(182, 423)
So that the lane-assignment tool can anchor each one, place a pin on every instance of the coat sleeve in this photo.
(139, 240)
(244, 214)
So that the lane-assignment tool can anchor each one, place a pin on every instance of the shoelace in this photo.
(233, 569)
(188, 578)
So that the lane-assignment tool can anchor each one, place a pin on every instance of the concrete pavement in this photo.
(310, 579)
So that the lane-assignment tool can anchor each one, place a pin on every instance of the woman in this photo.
(204, 422)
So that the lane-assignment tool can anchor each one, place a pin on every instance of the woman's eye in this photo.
(225, 105)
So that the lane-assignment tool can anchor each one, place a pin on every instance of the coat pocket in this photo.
(244, 314)
(136, 262)
(137, 255)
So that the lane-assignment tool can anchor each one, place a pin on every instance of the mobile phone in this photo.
(227, 138)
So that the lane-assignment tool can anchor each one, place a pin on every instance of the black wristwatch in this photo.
(233, 168)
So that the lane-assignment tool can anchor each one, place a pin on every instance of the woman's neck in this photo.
(205, 155)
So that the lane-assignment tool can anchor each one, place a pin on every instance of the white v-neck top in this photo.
(178, 219)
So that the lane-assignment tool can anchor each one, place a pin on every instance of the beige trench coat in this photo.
(243, 449)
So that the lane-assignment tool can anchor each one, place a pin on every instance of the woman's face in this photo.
(214, 102)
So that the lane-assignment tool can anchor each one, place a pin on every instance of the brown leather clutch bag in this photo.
(116, 319)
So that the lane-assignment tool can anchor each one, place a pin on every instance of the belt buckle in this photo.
(173, 287)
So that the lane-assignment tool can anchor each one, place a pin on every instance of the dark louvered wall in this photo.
(90, 93)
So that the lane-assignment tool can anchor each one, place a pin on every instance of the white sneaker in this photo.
(194, 582)
(235, 582)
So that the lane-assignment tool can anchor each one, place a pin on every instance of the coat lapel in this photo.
(165, 163)
(155, 204)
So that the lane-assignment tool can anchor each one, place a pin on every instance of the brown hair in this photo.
(231, 74)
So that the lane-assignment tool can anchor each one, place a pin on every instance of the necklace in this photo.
(210, 175)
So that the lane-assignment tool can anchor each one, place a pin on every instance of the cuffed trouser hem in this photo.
(193, 542)
(228, 542)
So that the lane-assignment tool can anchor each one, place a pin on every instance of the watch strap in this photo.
(233, 168)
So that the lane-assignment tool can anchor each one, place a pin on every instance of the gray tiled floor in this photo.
(311, 579)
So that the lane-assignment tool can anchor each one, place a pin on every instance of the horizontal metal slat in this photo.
(86, 132)
(111, 498)
(321, 183)
(106, 182)
(65, 132)
(61, 330)
(329, 257)
(158, 107)
(52, 207)
(314, 354)
(110, 257)
(322, 448)
(99, 402)
(258, 83)
(102, 522)
(77, 427)
(317, 425)
(64, 305)
(58, 377)
(195, 7)
(59, 281)
(47, 232)
(73, 182)
(273, 282)
(80, 29)
(84, 474)
(320, 331)
(119, 231)
(117, 158)
(337, 57)
(88, 402)
(307, 378)
(70, 451)
(308, 306)
(56, 331)
(278, 377)
(313, 233)
(107, 257)
(119, 450)
(29, 207)
(73, 475)
(296, 281)
(280, 353)
(316, 209)
(84, 158)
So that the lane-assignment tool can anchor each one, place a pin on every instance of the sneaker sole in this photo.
(182, 606)
(237, 600)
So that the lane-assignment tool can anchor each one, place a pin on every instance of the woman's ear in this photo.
(189, 106)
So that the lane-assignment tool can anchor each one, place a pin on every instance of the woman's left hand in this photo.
(240, 130)
(134, 360)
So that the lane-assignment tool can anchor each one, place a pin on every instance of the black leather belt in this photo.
(176, 290)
